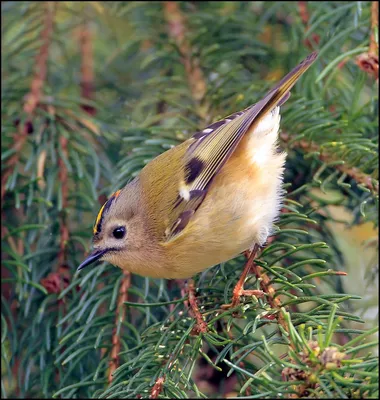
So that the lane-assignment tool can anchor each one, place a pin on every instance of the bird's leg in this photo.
(239, 288)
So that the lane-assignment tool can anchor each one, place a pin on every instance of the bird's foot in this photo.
(239, 290)
(238, 293)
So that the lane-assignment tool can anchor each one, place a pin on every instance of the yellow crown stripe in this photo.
(100, 214)
(98, 218)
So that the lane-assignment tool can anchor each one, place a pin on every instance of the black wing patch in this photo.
(192, 169)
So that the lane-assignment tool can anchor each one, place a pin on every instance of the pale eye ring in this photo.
(119, 232)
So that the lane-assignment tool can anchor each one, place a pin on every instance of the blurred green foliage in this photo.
(58, 326)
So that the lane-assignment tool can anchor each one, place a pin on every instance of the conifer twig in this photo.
(177, 31)
(354, 173)
(157, 388)
(201, 326)
(120, 315)
(87, 67)
(32, 99)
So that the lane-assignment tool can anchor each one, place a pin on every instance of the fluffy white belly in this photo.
(262, 190)
(263, 148)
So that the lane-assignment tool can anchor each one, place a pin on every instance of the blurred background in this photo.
(91, 92)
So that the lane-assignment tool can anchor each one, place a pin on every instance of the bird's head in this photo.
(117, 227)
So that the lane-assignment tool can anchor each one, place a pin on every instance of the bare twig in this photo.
(120, 315)
(177, 31)
(157, 388)
(32, 99)
(369, 62)
(354, 173)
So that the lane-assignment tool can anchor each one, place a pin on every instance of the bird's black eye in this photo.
(119, 232)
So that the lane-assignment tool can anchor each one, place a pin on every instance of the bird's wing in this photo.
(213, 146)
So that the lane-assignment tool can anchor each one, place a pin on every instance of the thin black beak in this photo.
(94, 256)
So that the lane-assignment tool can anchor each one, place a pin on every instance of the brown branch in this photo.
(157, 388)
(353, 172)
(87, 67)
(373, 46)
(302, 7)
(177, 31)
(201, 326)
(369, 62)
(32, 99)
(120, 315)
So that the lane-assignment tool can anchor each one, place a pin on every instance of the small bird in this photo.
(204, 201)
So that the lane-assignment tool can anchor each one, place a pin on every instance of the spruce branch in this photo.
(369, 61)
(32, 99)
(353, 172)
(119, 318)
(69, 340)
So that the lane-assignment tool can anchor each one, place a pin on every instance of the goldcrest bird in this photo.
(204, 201)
